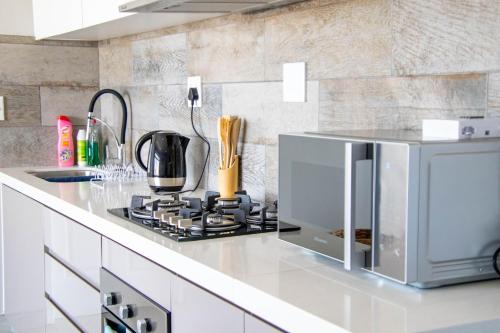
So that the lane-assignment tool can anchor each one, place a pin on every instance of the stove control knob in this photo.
(143, 325)
(111, 298)
(126, 311)
(173, 221)
(184, 224)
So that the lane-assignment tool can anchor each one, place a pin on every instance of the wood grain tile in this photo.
(144, 108)
(445, 36)
(213, 165)
(271, 180)
(195, 157)
(174, 113)
(229, 53)
(398, 102)
(115, 63)
(69, 101)
(22, 105)
(22, 64)
(159, 60)
(494, 95)
(39, 148)
(253, 166)
(18, 149)
(345, 39)
(264, 112)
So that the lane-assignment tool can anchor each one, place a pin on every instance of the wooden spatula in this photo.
(235, 134)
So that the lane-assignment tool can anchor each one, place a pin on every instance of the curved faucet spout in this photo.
(123, 105)
(121, 142)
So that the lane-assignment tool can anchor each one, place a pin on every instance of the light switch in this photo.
(294, 82)
(2, 108)
(195, 82)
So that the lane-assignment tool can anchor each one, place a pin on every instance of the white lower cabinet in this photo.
(196, 310)
(22, 229)
(74, 296)
(255, 325)
(56, 321)
(77, 246)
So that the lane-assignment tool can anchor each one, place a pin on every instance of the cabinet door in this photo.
(74, 296)
(54, 17)
(23, 261)
(77, 246)
(195, 310)
(98, 11)
(255, 325)
(57, 322)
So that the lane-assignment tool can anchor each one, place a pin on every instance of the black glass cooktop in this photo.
(192, 235)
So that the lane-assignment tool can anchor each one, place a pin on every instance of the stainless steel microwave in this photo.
(423, 213)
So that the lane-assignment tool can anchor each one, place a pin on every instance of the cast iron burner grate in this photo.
(191, 218)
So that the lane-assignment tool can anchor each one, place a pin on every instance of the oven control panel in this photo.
(134, 310)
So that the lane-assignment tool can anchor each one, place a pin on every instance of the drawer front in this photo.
(75, 245)
(255, 325)
(145, 276)
(74, 296)
(196, 310)
(56, 321)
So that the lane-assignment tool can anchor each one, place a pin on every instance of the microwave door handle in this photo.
(348, 207)
(358, 200)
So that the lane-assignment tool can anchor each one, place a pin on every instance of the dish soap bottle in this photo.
(65, 147)
(93, 156)
(81, 148)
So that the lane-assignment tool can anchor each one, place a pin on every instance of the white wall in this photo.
(16, 17)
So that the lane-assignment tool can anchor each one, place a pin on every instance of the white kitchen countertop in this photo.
(283, 284)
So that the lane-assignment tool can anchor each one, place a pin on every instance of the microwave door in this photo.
(312, 191)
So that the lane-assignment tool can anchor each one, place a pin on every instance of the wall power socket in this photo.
(195, 82)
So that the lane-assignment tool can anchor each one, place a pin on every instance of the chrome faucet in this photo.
(120, 143)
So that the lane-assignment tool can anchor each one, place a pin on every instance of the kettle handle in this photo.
(138, 148)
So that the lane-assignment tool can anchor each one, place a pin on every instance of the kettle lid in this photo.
(167, 132)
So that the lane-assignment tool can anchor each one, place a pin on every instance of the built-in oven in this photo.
(126, 310)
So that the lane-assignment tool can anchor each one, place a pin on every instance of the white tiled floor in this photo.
(4, 325)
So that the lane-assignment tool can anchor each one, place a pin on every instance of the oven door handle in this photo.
(117, 326)
(358, 189)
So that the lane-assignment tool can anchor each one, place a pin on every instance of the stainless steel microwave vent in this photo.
(201, 6)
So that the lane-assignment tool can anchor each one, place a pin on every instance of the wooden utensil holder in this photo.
(228, 180)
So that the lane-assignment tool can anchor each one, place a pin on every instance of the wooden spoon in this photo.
(227, 147)
(219, 137)
(224, 140)
(235, 134)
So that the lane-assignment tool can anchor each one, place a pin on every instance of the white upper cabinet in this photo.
(99, 19)
(16, 17)
(55, 17)
(99, 11)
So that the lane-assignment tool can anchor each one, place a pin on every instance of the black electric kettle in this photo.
(166, 160)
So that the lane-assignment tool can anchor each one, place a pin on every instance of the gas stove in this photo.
(191, 218)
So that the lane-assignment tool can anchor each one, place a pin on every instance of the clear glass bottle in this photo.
(93, 145)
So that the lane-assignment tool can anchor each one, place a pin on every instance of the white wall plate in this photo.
(2, 108)
(294, 82)
(195, 82)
